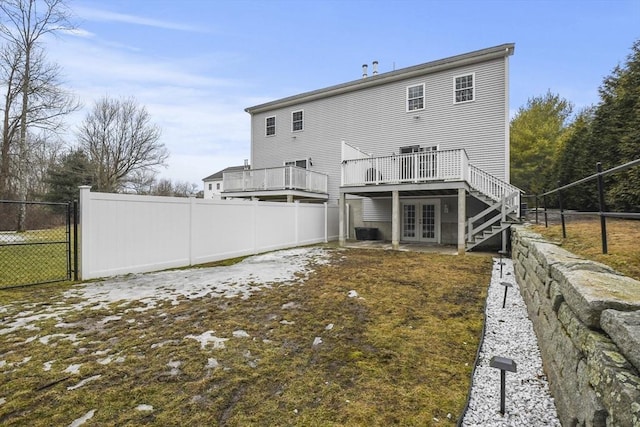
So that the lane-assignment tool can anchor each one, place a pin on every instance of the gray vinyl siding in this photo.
(375, 120)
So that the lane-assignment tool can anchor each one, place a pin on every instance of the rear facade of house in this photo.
(415, 153)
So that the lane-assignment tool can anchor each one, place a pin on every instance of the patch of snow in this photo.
(73, 368)
(238, 280)
(105, 361)
(286, 322)
(352, 294)
(3, 363)
(144, 408)
(174, 365)
(45, 340)
(120, 359)
(317, 341)
(47, 365)
(212, 363)
(290, 305)
(101, 352)
(110, 319)
(329, 327)
(83, 382)
(240, 334)
(83, 419)
(3, 400)
(11, 237)
(207, 337)
(163, 343)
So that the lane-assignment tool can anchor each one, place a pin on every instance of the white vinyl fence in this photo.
(123, 233)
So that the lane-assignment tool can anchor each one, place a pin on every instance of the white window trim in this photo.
(275, 124)
(473, 88)
(292, 113)
(424, 98)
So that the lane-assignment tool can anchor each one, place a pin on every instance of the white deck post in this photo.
(395, 220)
(462, 212)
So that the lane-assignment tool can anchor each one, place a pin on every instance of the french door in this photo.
(421, 221)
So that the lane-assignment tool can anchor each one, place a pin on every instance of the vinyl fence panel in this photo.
(123, 233)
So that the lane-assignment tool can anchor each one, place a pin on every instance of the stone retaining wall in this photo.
(587, 320)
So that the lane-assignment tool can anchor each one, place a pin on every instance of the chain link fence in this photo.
(36, 242)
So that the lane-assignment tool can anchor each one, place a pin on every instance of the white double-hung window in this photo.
(270, 126)
(415, 97)
(297, 122)
(464, 89)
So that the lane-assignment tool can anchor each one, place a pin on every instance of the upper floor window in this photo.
(270, 126)
(210, 185)
(218, 186)
(297, 121)
(464, 88)
(415, 97)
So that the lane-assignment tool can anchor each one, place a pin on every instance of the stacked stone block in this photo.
(587, 320)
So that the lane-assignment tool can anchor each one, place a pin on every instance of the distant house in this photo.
(214, 185)
(421, 153)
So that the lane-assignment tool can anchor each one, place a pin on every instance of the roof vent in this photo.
(364, 71)
(375, 68)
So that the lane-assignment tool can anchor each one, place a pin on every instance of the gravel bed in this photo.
(509, 333)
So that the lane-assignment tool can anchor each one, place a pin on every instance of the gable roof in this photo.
(474, 57)
(218, 175)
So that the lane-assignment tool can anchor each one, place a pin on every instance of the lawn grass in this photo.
(401, 352)
(33, 257)
(584, 239)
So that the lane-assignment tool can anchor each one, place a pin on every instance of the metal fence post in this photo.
(546, 218)
(564, 228)
(536, 201)
(602, 207)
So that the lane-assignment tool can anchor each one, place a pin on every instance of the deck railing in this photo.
(425, 166)
(405, 168)
(282, 178)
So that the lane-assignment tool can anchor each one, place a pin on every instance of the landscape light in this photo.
(506, 285)
(501, 253)
(504, 364)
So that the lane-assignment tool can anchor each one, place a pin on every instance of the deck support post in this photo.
(341, 219)
(462, 217)
(395, 220)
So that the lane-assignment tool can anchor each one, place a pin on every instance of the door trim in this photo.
(418, 206)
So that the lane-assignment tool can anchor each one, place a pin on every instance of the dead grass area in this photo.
(584, 239)
(401, 352)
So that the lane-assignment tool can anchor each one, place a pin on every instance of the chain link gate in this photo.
(37, 242)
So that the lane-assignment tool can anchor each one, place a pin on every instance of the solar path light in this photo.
(501, 253)
(504, 364)
(506, 285)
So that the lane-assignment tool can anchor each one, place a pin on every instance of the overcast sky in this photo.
(197, 64)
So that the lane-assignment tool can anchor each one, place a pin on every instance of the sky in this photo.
(195, 65)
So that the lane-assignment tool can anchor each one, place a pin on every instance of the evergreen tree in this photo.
(64, 178)
(616, 128)
(536, 132)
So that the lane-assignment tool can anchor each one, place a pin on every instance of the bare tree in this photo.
(141, 181)
(48, 105)
(120, 139)
(23, 24)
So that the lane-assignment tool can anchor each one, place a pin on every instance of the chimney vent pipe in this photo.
(375, 68)
(364, 71)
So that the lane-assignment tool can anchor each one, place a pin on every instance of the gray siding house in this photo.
(420, 153)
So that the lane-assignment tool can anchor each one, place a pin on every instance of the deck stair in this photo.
(495, 219)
